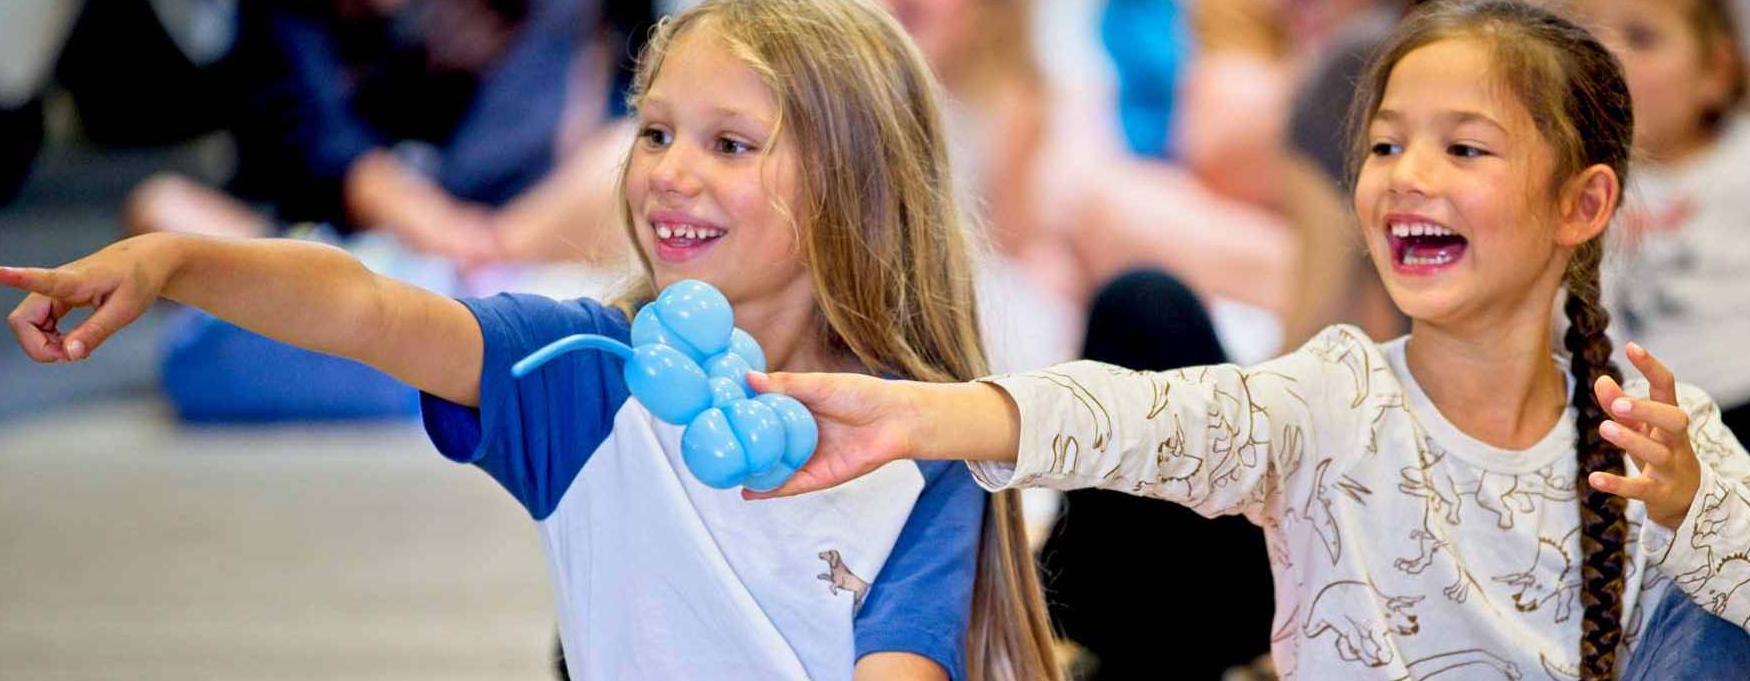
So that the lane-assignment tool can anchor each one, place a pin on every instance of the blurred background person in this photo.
(1680, 275)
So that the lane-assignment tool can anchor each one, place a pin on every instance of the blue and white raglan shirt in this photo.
(658, 576)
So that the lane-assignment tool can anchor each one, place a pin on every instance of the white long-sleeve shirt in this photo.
(1401, 547)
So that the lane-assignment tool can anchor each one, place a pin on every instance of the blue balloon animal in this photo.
(688, 365)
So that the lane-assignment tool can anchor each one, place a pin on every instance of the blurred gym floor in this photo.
(132, 547)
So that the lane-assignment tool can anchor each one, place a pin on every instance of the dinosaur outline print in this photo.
(1361, 636)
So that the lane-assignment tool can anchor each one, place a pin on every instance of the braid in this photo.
(1603, 527)
(1579, 101)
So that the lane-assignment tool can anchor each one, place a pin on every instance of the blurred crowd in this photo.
(1120, 153)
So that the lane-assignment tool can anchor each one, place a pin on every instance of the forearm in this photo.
(1207, 437)
(320, 298)
(307, 294)
(964, 421)
(1705, 553)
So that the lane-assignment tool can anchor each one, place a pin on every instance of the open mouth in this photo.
(1423, 247)
(682, 241)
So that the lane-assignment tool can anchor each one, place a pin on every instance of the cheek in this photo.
(636, 181)
(1367, 192)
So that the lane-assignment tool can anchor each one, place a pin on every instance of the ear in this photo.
(1588, 202)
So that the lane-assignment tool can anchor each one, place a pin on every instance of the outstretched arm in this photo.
(1217, 439)
(309, 295)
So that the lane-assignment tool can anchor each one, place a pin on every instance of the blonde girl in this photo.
(789, 152)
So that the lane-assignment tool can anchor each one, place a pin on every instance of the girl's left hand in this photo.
(1655, 431)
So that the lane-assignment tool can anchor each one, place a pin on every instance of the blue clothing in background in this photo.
(318, 90)
(1149, 43)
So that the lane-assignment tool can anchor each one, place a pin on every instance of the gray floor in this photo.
(135, 548)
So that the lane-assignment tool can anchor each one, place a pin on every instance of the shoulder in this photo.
(522, 313)
(1340, 351)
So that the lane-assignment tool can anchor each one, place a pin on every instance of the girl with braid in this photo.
(1464, 502)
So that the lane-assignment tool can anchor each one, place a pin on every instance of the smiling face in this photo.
(1454, 194)
(709, 181)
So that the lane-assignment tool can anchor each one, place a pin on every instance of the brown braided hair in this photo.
(1577, 97)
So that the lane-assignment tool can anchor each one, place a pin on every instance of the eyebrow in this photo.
(1455, 118)
(719, 111)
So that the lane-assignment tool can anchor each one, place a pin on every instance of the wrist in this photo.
(168, 255)
(969, 421)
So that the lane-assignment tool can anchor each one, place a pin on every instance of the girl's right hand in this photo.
(119, 282)
(865, 422)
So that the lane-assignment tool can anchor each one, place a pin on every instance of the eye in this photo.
(1466, 151)
(655, 137)
(1385, 149)
(1641, 37)
(732, 146)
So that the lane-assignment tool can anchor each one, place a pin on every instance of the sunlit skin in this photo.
(710, 172)
(1674, 75)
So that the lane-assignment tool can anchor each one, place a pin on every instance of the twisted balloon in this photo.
(688, 365)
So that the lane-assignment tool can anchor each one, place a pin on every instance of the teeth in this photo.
(695, 232)
(1404, 229)
(1437, 259)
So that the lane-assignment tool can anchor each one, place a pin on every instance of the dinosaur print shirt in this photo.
(657, 576)
(1400, 547)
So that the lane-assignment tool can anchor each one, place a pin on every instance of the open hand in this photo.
(119, 282)
(1655, 431)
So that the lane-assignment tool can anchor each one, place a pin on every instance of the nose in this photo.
(1414, 171)
(672, 172)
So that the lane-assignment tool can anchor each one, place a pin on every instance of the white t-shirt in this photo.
(658, 576)
(1401, 547)
(1681, 287)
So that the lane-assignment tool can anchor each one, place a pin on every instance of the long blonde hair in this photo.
(885, 243)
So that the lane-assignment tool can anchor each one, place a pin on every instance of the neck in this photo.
(1496, 382)
(786, 326)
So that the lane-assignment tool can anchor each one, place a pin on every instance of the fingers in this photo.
(806, 389)
(1661, 415)
(33, 324)
(762, 382)
(1662, 385)
(804, 481)
(1640, 487)
(110, 317)
(1641, 446)
(52, 283)
(1607, 391)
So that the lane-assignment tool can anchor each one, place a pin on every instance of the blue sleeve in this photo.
(921, 602)
(535, 434)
